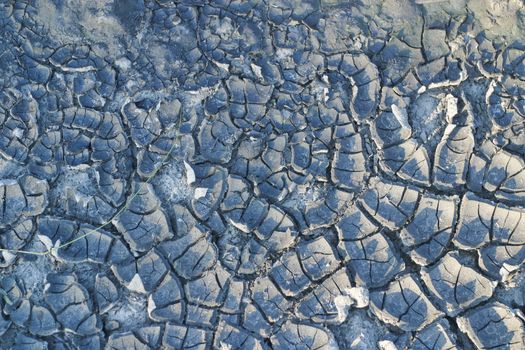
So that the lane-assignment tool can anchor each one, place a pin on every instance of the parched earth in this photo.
(262, 174)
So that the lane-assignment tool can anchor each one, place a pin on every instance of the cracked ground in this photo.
(262, 174)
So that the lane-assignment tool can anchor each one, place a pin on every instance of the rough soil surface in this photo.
(270, 174)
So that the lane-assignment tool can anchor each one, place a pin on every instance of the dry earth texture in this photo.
(262, 174)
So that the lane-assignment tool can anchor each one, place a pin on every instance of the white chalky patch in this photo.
(190, 174)
(342, 304)
(151, 305)
(200, 192)
(46, 241)
(360, 296)
(257, 71)
(136, 284)
(123, 63)
(386, 345)
(451, 106)
(401, 116)
(506, 270)
(8, 256)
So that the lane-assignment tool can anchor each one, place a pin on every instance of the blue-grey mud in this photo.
(262, 174)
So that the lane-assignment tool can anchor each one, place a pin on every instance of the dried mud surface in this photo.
(332, 174)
